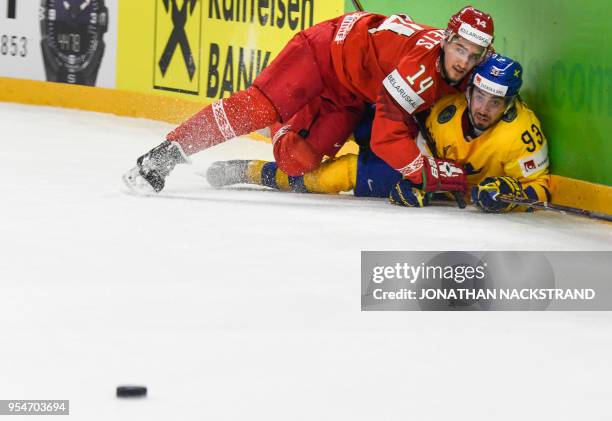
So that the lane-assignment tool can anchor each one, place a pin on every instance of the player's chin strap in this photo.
(358, 5)
(443, 69)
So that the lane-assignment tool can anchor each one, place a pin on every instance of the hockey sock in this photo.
(334, 176)
(240, 114)
(267, 174)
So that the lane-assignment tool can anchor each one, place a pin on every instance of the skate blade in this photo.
(136, 182)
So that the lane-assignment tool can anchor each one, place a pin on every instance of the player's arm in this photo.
(407, 90)
(394, 133)
(526, 171)
(393, 138)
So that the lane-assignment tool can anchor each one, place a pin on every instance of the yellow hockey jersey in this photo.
(514, 147)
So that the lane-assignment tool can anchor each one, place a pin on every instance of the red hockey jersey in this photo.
(394, 63)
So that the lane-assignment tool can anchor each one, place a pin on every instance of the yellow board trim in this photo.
(124, 103)
(581, 194)
(113, 101)
(565, 191)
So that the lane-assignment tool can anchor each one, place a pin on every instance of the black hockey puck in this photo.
(131, 391)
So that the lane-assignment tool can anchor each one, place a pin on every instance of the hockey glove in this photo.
(484, 194)
(404, 193)
(438, 175)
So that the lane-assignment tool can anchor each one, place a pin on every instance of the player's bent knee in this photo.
(295, 156)
(333, 176)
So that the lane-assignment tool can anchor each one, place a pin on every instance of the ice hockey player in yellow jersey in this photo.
(489, 140)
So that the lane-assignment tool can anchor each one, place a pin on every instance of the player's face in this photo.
(460, 57)
(486, 109)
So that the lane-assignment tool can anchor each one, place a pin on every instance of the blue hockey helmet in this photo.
(499, 75)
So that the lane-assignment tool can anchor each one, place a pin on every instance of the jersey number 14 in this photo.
(425, 83)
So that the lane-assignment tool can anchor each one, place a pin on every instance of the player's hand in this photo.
(484, 194)
(441, 175)
(404, 193)
(437, 175)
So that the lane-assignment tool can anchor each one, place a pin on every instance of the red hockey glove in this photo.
(440, 175)
(437, 175)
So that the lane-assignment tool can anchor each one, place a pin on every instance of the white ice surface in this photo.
(244, 304)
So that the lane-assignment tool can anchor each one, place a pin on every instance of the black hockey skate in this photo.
(149, 174)
(227, 173)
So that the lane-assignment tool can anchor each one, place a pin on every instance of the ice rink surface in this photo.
(244, 304)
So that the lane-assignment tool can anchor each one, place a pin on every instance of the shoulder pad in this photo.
(447, 114)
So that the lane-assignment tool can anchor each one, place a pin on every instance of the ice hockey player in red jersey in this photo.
(314, 93)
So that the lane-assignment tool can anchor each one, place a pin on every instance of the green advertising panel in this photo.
(564, 47)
